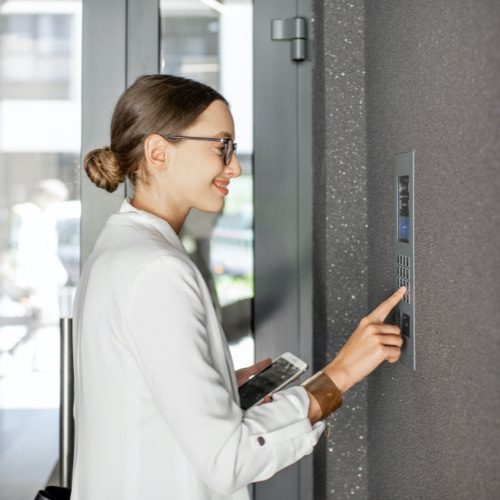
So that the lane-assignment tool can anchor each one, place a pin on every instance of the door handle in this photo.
(66, 422)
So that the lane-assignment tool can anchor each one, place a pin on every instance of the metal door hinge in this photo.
(293, 29)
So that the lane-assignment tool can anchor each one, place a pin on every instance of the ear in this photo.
(155, 153)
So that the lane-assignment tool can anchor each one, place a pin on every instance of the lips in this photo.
(221, 186)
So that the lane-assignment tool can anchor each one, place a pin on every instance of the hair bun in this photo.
(103, 168)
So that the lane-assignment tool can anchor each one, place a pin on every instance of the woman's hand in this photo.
(370, 344)
(243, 374)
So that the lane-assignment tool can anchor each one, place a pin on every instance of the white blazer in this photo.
(156, 400)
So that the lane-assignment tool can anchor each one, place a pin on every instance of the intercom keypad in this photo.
(404, 275)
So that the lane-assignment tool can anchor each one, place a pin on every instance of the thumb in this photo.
(259, 366)
(264, 363)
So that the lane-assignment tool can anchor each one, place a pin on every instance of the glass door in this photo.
(212, 42)
(256, 256)
(40, 61)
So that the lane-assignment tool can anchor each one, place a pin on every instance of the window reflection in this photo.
(36, 55)
(211, 41)
(40, 61)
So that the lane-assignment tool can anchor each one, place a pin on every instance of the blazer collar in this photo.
(158, 223)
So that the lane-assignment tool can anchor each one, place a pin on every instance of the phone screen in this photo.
(265, 382)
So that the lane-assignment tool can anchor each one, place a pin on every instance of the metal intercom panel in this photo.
(404, 258)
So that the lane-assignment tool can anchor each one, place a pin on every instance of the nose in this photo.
(234, 166)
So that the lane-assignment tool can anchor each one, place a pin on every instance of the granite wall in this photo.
(393, 76)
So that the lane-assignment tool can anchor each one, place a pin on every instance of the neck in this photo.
(158, 204)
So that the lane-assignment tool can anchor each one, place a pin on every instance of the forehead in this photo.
(215, 120)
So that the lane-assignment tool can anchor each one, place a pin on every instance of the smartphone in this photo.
(279, 374)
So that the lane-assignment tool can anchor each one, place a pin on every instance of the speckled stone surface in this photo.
(340, 227)
(432, 84)
(433, 73)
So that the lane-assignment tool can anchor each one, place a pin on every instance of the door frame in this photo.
(283, 314)
(120, 42)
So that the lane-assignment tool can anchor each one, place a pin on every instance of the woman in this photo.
(156, 394)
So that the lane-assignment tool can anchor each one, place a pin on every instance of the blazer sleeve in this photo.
(230, 448)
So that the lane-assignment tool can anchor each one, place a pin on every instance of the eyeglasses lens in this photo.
(229, 149)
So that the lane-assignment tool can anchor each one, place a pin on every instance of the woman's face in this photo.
(194, 168)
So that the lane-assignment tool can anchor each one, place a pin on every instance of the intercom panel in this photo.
(404, 257)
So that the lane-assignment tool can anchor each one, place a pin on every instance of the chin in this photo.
(212, 208)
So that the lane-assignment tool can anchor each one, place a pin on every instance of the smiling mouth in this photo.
(221, 188)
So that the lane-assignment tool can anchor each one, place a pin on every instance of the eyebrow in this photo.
(225, 134)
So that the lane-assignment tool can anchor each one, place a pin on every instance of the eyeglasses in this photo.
(227, 151)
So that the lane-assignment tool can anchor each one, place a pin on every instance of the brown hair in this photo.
(164, 104)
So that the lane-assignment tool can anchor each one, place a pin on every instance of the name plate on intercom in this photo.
(404, 258)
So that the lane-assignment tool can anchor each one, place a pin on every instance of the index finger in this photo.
(384, 308)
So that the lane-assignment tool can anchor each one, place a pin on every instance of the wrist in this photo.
(314, 412)
(338, 375)
(323, 393)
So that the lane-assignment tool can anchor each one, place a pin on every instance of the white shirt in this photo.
(156, 399)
